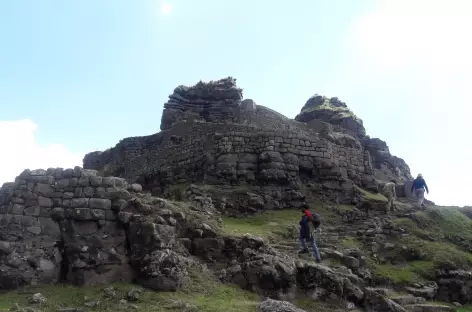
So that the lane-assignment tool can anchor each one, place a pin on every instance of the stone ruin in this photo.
(99, 225)
(74, 226)
(210, 135)
(62, 225)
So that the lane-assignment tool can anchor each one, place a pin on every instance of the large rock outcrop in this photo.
(332, 111)
(211, 136)
(213, 101)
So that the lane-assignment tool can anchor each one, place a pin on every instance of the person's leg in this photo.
(316, 252)
(420, 196)
(389, 203)
(303, 245)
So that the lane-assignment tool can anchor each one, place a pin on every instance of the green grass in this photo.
(439, 237)
(349, 242)
(396, 274)
(429, 256)
(200, 289)
(441, 224)
(264, 224)
(277, 223)
(441, 253)
(310, 305)
(372, 196)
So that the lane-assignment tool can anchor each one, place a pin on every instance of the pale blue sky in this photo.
(79, 75)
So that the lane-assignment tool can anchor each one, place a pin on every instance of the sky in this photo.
(77, 76)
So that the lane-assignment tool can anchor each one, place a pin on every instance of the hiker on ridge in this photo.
(307, 226)
(390, 192)
(419, 186)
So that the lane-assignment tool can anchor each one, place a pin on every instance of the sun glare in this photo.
(166, 8)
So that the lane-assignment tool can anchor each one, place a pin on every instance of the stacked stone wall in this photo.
(211, 152)
(61, 224)
(213, 136)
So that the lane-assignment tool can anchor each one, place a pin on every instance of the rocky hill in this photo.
(202, 217)
(211, 136)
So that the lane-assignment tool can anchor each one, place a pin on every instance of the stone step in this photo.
(429, 308)
(408, 300)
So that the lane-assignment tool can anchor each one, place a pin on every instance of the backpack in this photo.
(314, 218)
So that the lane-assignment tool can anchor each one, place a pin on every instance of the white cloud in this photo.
(21, 151)
(166, 8)
(417, 56)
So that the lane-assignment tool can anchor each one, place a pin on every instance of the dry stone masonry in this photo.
(61, 224)
(210, 135)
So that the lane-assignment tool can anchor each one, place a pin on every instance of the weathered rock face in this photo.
(454, 286)
(387, 166)
(210, 136)
(332, 111)
(213, 101)
(374, 302)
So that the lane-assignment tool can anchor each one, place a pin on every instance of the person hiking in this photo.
(419, 186)
(306, 234)
(390, 192)
(306, 211)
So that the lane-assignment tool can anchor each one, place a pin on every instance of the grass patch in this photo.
(372, 196)
(200, 289)
(396, 274)
(440, 224)
(276, 223)
(442, 253)
(264, 224)
(421, 259)
(310, 305)
(349, 242)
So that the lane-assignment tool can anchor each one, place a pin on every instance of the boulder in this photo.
(374, 302)
(270, 305)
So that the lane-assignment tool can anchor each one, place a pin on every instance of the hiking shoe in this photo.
(303, 251)
(318, 260)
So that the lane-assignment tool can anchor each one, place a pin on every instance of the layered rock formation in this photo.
(214, 101)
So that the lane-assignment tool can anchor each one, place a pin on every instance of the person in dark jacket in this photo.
(418, 187)
(306, 234)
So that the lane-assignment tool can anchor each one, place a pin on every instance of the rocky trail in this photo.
(363, 236)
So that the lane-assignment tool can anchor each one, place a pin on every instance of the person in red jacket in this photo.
(306, 235)
(307, 212)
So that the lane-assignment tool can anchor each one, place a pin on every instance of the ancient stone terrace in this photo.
(211, 135)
